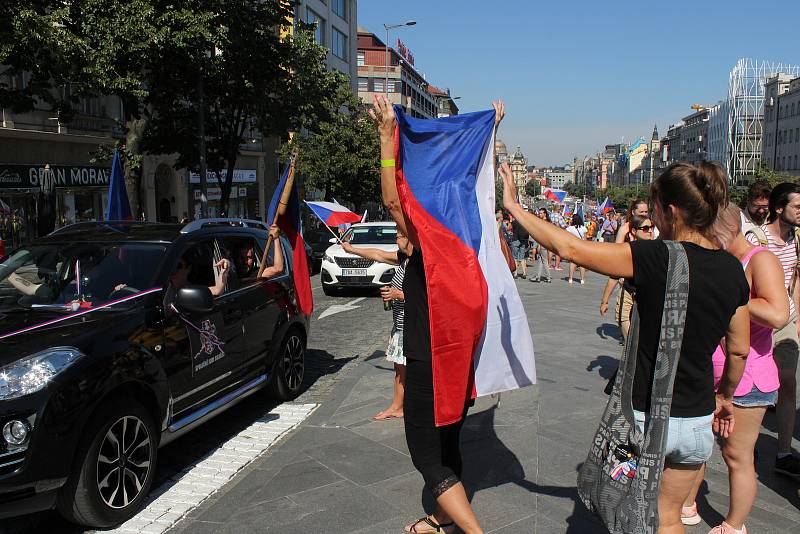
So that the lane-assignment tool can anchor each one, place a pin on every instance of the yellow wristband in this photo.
(387, 163)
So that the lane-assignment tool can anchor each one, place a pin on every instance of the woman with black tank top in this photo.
(435, 451)
(686, 201)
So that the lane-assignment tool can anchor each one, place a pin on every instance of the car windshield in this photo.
(372, 235)
(60, 274)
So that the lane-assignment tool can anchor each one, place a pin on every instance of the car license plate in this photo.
(354, 272)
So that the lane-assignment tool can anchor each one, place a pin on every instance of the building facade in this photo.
(781, 145)
(398, 80)
(519, 169)
(694, 137)
(746, 114)
(337, 30)
(445, 103)
(718, 128)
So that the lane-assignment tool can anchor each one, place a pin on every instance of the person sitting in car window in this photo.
(247, 266)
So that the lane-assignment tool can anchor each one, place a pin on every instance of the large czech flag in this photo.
(480, 339)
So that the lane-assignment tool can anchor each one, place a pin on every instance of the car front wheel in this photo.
(115, 467)
(290, 367)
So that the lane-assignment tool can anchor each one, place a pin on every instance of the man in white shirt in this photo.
(779, 234)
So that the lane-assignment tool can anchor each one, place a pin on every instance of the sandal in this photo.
(431, 523)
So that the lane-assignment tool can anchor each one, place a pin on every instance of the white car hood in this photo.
(337, 251)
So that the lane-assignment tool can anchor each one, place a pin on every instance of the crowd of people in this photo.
(739, 351)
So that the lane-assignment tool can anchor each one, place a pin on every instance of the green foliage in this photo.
(341, 156)
(498, 195)
(533, 188)
(156, 55)
(738, 194)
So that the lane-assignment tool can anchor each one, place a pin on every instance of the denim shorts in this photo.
(689, 439)
(756, 398)
(519, 250)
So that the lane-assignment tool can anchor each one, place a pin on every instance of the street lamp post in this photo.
(388, 27)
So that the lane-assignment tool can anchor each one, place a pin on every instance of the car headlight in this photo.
(32, 373)
(328, 259)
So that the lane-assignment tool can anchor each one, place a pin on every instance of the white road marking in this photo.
(339, 308)
(185, 491)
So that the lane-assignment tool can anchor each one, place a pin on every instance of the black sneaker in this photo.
(545, 280)
(523, 276)
(788, 465)
(535, 279)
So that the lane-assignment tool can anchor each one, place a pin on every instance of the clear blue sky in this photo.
(579, 74)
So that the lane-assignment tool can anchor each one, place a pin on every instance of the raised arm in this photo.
(771, 306)
(612, 259)
(374, 254)
(277, 255)
(383, 116)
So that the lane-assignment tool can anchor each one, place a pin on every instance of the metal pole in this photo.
(201, 133)
(386, 63)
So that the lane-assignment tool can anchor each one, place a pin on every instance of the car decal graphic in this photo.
(80, 313)
(211, 347)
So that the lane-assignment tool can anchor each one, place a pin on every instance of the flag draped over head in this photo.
(605, 207)
(118, 207)
(480, 339)
(556, 195)
(333, 213)
(289, 223)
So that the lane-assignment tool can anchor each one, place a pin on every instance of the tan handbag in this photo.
(512, 265)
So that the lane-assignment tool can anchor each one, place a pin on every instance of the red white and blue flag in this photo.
(556, 195)
(605, 207)
(333, 213)
(289, 223)
(480, 339)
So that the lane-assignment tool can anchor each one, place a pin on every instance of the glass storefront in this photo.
(243, 201)
(37, 199)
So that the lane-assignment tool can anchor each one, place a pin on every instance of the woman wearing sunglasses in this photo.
(640, 228)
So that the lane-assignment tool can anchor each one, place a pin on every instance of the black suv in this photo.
(111, 345)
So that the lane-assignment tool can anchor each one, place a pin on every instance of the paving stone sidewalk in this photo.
(341, 472)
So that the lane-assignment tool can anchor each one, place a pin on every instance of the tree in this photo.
(533, 188)
(73, 50)
(343, 156)
(249, 79)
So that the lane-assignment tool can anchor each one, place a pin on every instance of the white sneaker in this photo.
(570, 280)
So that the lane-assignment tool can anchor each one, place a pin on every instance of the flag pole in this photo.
(284, 201)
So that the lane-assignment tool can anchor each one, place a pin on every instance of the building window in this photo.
(363, 84)
(319, 31)
(361, 59)
(340, 8)
(377, 85)
(339, 44)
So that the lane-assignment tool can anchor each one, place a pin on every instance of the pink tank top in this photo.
(760, 370)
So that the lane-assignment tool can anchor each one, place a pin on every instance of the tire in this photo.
(91, 495)
(329, 290)
(289, 367)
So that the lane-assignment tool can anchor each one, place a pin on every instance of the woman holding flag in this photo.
(435, 450)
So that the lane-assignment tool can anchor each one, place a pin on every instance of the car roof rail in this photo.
(199, 224)
(110, 223)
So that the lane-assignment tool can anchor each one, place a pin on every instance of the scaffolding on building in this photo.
(746, 114)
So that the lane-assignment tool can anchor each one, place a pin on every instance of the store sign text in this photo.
(36, 176)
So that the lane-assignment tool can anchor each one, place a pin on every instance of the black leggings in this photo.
(435, 451)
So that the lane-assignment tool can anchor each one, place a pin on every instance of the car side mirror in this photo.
(333, 240)
(197, 299)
